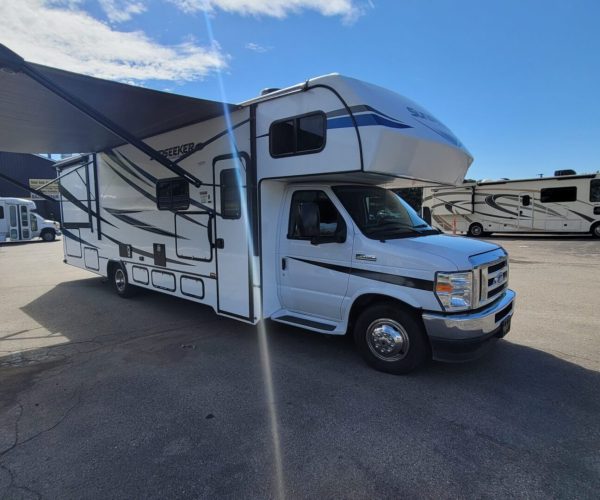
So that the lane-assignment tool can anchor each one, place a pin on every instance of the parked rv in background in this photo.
(561, 204)
(20, 222)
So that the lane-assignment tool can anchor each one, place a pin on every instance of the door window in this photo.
(310, 210)
(231, 200)
(24, 216)
(13, 215)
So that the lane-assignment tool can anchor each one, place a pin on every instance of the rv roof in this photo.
(553, 178)
(35, 120)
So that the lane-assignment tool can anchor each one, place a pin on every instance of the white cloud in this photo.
(119, 11)
(349, 10)
(58, 33)
(256, 47)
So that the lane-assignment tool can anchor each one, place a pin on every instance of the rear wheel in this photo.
(48, 235)
(120, 282)
(596, 230)
(476, 230)
(391, 339)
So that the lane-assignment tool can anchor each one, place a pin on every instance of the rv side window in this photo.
(594, 190)
(1, 212)
(300, 135)
(312, 214)
(173, 194)
(231, 204)
(556, 195)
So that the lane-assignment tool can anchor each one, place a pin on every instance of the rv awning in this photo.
(35, 120)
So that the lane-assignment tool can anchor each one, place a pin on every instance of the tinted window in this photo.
(329, 221)
(231, 206)
(595, 190)
(173, 194)
(561, 194)
(24, 216)
(380, 213)
(282, 138)
(299, 135)
(1, 212)
(33, 220)
(13, 215)
(311, 132)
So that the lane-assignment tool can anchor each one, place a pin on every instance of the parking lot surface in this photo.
(156, 397)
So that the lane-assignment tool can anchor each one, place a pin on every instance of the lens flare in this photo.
(265, 355)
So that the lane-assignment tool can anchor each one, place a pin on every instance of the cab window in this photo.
(312, 214)
(595, 190)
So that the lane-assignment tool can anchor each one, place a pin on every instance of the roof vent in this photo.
(268, 90)
(560, 173)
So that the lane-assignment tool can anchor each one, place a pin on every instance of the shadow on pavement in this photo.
(163, 397)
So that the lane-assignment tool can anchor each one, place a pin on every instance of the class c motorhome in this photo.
(565, 203)
(20, 222)
(278, 208)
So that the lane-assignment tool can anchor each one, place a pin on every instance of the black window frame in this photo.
(341, 230)
(296, 119)
(172, 206)
(545, 193)
(1, 212)
(236, 188)
(597, 188)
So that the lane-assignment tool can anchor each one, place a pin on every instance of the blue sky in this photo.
(517, 81)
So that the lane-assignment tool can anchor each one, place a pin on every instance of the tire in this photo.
(120, 281)
(476, 230)
(375, 332)
(596, 230)
(48, 235)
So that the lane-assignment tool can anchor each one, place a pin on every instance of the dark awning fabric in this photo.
(34, 120)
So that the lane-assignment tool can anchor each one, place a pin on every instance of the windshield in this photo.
(380, 213)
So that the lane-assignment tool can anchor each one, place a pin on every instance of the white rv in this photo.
(20, 222)
(280, 209)
(559, 204)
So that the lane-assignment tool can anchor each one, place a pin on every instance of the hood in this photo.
(438, 252)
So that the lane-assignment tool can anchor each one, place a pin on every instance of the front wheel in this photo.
(596, 230)
(120, 281)
(48, 235)
(391, 339)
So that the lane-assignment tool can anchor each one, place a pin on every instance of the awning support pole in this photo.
(17, 63)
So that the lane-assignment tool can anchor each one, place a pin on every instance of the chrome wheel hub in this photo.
(120, 280)
(387, 339)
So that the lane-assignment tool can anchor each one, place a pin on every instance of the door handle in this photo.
(283, 264)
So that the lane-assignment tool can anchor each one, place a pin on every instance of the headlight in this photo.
(455, 290)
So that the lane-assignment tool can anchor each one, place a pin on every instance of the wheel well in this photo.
(364, 301)
(48, 229)
(111, 266)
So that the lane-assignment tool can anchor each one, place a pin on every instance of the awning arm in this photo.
(14, 62)
(27, 188)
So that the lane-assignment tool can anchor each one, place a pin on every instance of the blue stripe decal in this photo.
(364, 120)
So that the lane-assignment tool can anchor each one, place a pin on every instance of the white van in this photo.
(20, 222)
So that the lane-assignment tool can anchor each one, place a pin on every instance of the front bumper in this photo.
(466, 336)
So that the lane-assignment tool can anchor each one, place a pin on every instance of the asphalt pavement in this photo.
(157, 397)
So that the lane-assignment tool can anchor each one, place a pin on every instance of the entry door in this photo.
(13, 223)
(232, 238)
(526, 211)
(314, 275)
(24, 222)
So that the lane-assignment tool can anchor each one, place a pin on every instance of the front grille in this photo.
(493, 279)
